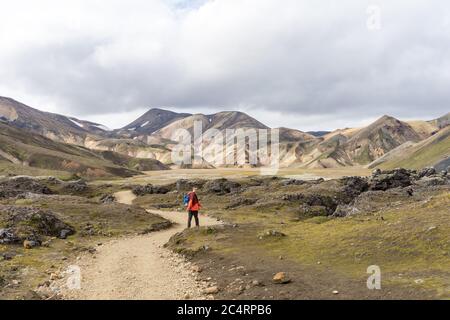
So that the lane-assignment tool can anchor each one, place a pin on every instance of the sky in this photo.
(309, 65)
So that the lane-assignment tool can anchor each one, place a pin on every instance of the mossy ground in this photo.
(94, 223)
(408, 239)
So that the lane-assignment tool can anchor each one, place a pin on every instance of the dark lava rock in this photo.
(426, 172)
(187, 185)
(221, 186)
(293, 182)
(15, 186)
(65, 233)
(391, 179)
(28, 223)
(433, 181)
(7, 236)
(78, 186)
(107, 198)
(354, 186)
(314, 200)
(149, 189)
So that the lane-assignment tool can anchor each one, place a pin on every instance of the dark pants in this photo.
(195, 215)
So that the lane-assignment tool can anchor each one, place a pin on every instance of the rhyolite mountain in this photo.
(150, 136)
(164, 123)
(53, 126)
(25, 153)
(433, 151)
(151, 121)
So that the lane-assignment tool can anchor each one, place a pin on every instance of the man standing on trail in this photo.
(193, 207)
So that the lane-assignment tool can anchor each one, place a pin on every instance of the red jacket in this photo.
(194, 204)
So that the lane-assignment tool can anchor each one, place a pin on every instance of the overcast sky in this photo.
(309, 65)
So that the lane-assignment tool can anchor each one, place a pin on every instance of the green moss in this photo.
(411, 239)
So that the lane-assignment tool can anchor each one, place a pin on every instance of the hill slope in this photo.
(434, 151)
(20, 151)
(151, 121)
(53, 126)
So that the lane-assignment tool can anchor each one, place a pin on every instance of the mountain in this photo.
(53, 126)
(22, 152)
(151, 121)
(292, 135)
(361, 146)
(151, 137)
(133, 148)
(378, 138)
(441, 122)
(218, 121)
(318, 134)
(433, 151)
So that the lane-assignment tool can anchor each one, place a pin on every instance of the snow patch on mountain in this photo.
(76, 123)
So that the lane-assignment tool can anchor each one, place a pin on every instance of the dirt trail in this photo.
(139, 267)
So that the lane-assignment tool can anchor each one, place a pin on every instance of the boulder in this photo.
(7, 236)
(149, 189)
(281, 278)
(108, 198)
(30, 244)
(391, 179)
(426, 172)
(78, 186)
(354, 186)
(433, 181)
(221, 186)
(211, 290)
(16, 186)
(187, 185)
(65, 233)
(28, 223)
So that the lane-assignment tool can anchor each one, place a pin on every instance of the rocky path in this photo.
(139, 267)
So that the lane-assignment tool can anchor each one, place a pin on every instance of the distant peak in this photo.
(158, 110)
(385, 119)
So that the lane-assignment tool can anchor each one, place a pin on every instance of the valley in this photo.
(146, 143)
(322, 234)
(109, 203)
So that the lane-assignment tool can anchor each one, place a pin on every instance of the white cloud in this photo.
(312, 60)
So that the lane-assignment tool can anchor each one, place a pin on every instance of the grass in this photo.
(426, 154)
(8, 168)
(106, 221)
(409, 240)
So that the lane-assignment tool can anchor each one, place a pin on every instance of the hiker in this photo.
(193, 207)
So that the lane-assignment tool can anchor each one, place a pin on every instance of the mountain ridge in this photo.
(150, 135)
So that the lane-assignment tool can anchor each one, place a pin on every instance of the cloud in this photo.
(283, 62)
